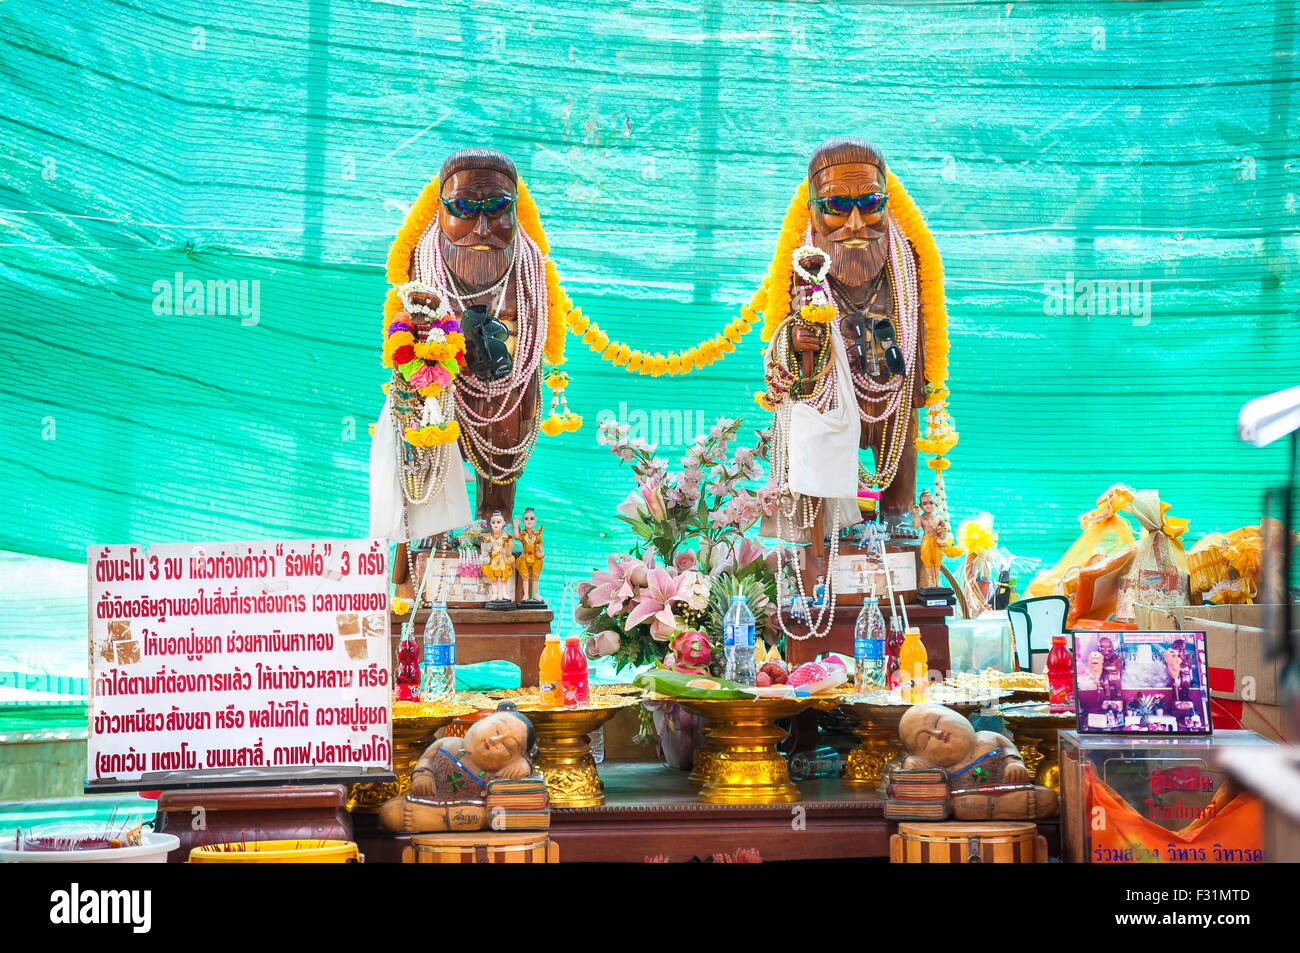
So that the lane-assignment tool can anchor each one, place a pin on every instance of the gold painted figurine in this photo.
(499, 563)
(529, 561)
(935, 538)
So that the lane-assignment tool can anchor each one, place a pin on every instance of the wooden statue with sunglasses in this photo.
(492, 276)
(872, 282)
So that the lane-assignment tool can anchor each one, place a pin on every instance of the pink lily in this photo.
(652, 604)
(611, 589)
(654, 500)
(748, 551)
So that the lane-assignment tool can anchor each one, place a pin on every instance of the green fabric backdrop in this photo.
(280, 142)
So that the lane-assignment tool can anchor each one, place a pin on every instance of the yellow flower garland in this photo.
(675, 362)
(433, 435)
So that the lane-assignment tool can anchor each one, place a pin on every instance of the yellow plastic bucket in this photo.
(279, 852)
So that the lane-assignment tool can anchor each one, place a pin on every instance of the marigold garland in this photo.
(657, 364)
(817, 313)
(433, 435)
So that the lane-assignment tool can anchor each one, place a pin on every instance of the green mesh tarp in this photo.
(274, 143)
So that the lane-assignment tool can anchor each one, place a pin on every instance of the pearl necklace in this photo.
(527, 268)
(779, 480)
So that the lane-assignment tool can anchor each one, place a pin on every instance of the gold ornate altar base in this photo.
(1034, 728)
(740, 763)
(563, 748)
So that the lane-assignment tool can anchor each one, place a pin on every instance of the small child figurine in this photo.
(529, 562)
(499, 563)
(934, 539)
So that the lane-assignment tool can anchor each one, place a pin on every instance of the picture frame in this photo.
(1149, 684)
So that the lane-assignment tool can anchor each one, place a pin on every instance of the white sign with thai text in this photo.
(238, 662)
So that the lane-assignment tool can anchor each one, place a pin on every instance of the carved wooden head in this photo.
(477, 226)
(854, 234)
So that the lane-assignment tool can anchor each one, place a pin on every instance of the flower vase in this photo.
(679, 733)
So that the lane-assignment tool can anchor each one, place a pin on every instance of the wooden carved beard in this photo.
(855, 267)
(476, 268)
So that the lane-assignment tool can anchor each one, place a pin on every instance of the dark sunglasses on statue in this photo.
(472, 208)
(869, 204)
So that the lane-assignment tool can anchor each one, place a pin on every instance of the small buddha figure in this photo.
(529, 561)
(987, 780)
(502, 745)
(935, 536)
(498, 563)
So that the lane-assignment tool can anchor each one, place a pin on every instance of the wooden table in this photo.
(486, 635)
(652, 811)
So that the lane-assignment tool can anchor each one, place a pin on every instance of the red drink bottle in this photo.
(893, 643)
(573, 674)
(407, 677)
(1060, 677)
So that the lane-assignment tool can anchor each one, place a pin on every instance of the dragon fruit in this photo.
(814, 677)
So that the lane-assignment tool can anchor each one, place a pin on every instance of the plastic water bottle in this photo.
(869, 647)
(438, 673)
(738, 632)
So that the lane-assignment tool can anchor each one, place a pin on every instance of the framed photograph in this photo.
(1141, 683)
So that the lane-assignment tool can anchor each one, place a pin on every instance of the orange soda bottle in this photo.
(913, 666)
(549, 673)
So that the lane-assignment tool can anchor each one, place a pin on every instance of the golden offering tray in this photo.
(563, 749)
(1016, 686)
(414, 724)
(1034, 729)
(878, 712)
(741, 764)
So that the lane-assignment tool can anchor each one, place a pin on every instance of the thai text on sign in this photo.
(238, 662)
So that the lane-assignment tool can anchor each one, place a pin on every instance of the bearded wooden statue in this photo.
(872, 282)
(847, 352)
(491, 274)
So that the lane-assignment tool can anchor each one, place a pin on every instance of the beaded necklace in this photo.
(527, 269)
(799, 512)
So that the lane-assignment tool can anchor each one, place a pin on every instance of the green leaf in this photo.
(667, 682)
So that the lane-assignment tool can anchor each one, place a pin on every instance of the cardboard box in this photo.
(1237, 647)
(1267, 721)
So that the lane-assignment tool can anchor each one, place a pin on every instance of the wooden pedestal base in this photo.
(486, 635)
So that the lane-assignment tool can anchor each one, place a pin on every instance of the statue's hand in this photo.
(804, 339)
(517, 768)
(429, 300)
(1015, 772)
(422, 785)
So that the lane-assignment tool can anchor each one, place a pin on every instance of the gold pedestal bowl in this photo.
(414, 724)
(743, 765)
(563, 749)
(877, 714)
(1034, 729)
